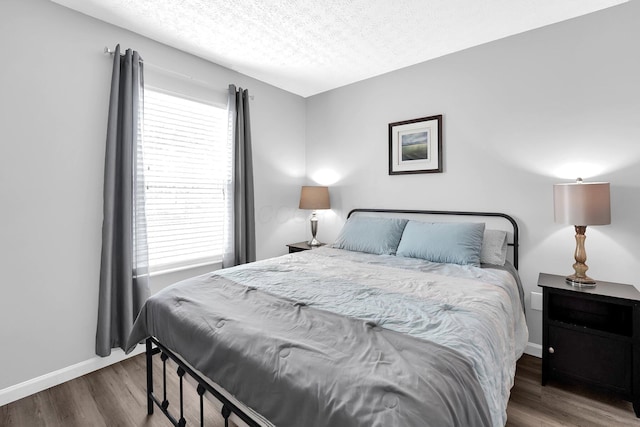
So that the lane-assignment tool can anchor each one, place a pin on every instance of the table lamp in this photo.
(314, 197)
(581, 204)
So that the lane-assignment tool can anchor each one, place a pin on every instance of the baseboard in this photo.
(43, 382)
(533, 350)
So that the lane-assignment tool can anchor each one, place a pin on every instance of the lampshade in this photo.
(582, 203)
(312, 197)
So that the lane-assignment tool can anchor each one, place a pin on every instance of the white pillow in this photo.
(494, 247)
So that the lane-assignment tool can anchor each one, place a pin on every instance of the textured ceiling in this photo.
(310, 46)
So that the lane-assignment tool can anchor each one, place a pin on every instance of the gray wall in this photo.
(54, 81)
(517, 112)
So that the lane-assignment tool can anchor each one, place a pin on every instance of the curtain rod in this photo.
(208, 85)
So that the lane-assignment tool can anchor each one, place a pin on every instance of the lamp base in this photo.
(314, 229)
(580, 282)
(580, 278)
(314, 242)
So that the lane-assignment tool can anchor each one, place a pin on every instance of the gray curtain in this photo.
(124, 269)
(240, 236)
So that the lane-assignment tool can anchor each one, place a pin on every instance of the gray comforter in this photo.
(268, 333)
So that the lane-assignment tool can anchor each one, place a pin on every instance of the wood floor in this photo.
(114, 396)
(560, 404)
(111, 397)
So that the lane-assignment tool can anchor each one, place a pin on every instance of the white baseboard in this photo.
(533, 350)
(43, 382)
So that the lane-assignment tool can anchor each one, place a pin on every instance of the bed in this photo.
(404, 320)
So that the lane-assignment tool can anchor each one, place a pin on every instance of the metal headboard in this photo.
(513, 222)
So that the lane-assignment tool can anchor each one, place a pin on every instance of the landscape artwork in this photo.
(415, 146)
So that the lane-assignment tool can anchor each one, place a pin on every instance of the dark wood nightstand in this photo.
(592, 336)
(301, 246)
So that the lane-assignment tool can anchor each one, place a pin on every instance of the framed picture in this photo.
(415, 146)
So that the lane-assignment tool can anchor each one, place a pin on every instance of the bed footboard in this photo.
(154, 347)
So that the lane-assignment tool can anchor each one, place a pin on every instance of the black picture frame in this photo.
(415, 146)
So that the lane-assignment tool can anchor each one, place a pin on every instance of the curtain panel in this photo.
(124, 283)
(240, 239)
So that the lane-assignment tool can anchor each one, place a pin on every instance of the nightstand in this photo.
(591, 336)
(301, 246)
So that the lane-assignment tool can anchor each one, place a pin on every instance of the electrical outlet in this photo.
(536, 301)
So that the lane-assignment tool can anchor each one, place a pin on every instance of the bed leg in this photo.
(149, 354)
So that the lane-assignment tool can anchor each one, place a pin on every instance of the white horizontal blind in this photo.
(187, 162)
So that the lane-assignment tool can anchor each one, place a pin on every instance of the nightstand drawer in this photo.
(588, 357)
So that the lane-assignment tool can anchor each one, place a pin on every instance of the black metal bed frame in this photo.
(154, 347)
(228, 407)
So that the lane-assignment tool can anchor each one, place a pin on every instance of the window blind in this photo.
(187, 162)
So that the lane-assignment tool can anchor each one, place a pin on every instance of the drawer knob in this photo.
(551, 350)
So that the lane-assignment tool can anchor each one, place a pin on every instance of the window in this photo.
(187, 161)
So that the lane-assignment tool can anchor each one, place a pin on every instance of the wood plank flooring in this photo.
(110, 397)
(557, 404)
(115, 396)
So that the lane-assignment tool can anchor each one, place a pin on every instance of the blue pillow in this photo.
(444, 242)
(372, 235)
